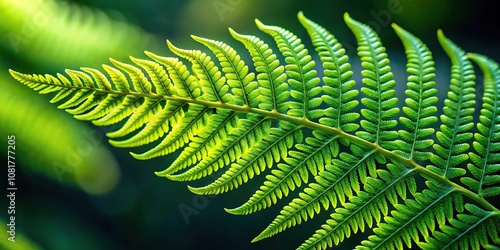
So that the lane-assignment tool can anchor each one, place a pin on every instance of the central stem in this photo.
(304, 122)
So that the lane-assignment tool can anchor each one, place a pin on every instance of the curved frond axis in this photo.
(283, 118)
(121, 86)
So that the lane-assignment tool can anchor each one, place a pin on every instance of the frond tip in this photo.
(302, 122)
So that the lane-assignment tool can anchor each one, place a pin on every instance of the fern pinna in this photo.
(357, 156)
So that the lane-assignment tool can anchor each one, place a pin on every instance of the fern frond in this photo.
(301, 73)
(363, 209)
(148, 106)
(220, 127)
(271, 77)
(414, 218)
(159, 125)
(380, 103)
(275, 147)
(283, 117)
(458, 108)
(485, 166)
(185, 84)
(81, 80)
(239, 80)
(293, 172)
(104, 106)
(213, 84)
(21, 112)
(339, 87)
(117, 112)
(192, 122)
(466, 231)
(421, 99)
(245, 135)
(159, 78)
(336, 182)
(182, 84)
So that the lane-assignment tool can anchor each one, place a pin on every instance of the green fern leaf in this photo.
(301, 73)
(277, 143)
(192, 122)
(363, 209)
(220, 127)
(416, 216)
(485, 166)
(338, 88)
(420, 101)
(283, 117)
(466, 231)
(245, 135)
(292, 173)
(335, 183)
(271, 77)
(380, 104)
(98, 173)
(210, 79)
(236, 72)
(185, 84)
(457, 117)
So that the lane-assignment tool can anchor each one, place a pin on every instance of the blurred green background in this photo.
(77, 192)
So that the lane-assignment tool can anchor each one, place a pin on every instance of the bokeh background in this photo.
(77, 192)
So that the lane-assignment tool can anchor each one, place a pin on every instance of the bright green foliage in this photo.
(457, 118)
(83, 162)
(339, 87)
(421, 99)
(485, 164)
(271, 77)
(300, 70)
(380, 103)
(305, 129)
(366, 208)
